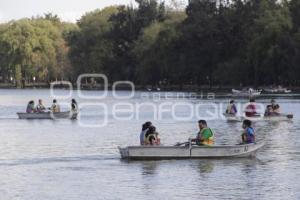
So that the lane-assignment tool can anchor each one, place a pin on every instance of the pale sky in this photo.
(67, 10)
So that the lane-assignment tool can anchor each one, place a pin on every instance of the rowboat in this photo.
(48, 115)
(277, 90)
(281, 117)
(232, 117)
(189, 151)
(259, 117)
(246, 93)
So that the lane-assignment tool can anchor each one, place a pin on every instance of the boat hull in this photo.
(232, 118)
(240, 93)
(48, 115)
(278, 90)
(270, 118)
(188, 152)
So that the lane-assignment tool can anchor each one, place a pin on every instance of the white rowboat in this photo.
(48, 115)
(246, 93)
(189, 152)
(278, 90)
(278, 118)
(232, 117)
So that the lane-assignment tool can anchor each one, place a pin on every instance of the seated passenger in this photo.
(40, 108)
(251, 109)
(151, 137)
(74, 106)
(55, 108)
(275, 107)
(205, 136)
(231, 108)
(145, 128)
(269, 110)
(248, 135)
(30, 107)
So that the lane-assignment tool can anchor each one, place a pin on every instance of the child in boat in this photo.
(40, 108)
(205, 136)
(145, 128)
(251, 109)
(231, 108)
(151, 137)
(30, 107)
(248, 136)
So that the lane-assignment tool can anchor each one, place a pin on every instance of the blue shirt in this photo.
(250, 135)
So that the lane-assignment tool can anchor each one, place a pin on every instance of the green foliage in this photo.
(33, 48)
(155, 51)
(237, 42)
(89, 44)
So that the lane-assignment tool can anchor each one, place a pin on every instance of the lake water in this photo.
(63, 159)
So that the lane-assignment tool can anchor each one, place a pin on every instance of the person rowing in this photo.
(40, 108)
(248, 135)
(205, 136)
(231, 108)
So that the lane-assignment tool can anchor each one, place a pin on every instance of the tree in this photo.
(32, 48)
(266, 52)
(156, 53)
(90, 47)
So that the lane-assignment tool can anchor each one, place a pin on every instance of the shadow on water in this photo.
(147, 167)
(203, 166)
(206, 167)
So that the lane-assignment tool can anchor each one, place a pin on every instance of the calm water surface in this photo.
(63, 159)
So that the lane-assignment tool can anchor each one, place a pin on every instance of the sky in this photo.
(67, 10)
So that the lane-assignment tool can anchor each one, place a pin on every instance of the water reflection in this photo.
(79, 163)
(149, 167)
(205, 167)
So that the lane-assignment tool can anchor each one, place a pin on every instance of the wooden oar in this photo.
(180, 144)
(289, 116)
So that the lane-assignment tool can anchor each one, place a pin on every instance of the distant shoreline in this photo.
(168, 88)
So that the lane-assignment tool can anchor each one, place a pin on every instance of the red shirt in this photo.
(250, 110)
